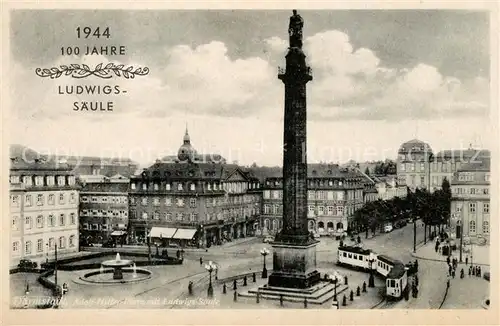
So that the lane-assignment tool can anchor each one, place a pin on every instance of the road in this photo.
(171, 282)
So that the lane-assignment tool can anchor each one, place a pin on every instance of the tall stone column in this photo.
(294, 256)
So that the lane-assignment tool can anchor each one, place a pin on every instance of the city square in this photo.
(195, 229)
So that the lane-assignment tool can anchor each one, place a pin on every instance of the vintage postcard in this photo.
(226, 164)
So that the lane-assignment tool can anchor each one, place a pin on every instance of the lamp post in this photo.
(371, 280)
(47, 253)
(55, 264)
(210, 267)
(148, 240)
(335, 281)
(264, 252)
(414, 235)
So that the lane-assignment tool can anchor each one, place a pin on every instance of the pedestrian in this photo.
(470, 270)
(453, 273)
(462, 273)
(479, 271)
(448, 260)
(201, 261)
(466, 260)
(449, 270)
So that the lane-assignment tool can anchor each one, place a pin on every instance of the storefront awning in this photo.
(157, 232)
(186, 234)
(118, 233)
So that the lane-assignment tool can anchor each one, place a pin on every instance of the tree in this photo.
(367, 171)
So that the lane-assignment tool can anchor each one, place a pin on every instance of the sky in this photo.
(381, 77)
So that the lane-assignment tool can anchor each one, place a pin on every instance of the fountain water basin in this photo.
(123, 270)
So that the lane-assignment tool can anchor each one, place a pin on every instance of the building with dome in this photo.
(193, 199)
(187, 153)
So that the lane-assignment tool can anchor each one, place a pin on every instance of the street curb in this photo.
(439, 260)
(444, 298)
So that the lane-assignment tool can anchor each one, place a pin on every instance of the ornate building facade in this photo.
(334, 194)
(191, 202)
(43, 209)
(470, 205)
(413, 162)
(419, 167)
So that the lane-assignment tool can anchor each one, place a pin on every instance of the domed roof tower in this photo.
(186, 151)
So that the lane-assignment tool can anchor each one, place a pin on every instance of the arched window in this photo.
(311, 225)
(71, 240)
(275, 225)
(486, 227)
(321, 225)
(340, 226)
(329, 225)
(472, 226)
(62, 242)
(266, 223)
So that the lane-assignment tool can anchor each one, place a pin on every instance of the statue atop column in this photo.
(295, 30)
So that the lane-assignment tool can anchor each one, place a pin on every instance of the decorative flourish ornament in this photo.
(82, 71)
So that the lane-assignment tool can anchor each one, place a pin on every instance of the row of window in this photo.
(473, 207)
(413, 180)
(353, 256)
(312, 210)
(486, 227)
(40, 221)
(215, 186)
(170, 217)
(193, 216)
(472, 191)
(40, 199)
(104, 213)
(180, 201)
(470, 176)
(97, 227)
(39, 180)
(316, 183)
(412, 167)
(104, 199)
(28, 245)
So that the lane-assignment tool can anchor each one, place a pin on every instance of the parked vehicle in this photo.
(399, 224)
(268, 239)
(109, 244)
(26, 263)
(388, 228)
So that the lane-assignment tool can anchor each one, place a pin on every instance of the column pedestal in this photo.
(294, 266)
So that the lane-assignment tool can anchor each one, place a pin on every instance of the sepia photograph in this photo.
(329, 159)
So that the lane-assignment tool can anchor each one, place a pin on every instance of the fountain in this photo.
(124, 271)
(134, 275)
(117, 264)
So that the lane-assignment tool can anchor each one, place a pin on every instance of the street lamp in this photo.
(210, 267)
(335, 281)
(264, 252)
(371, 280)
(148, 240)
(47, 254)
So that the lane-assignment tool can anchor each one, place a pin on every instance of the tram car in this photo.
(396, 282)
(356, 257)
(393, 271)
